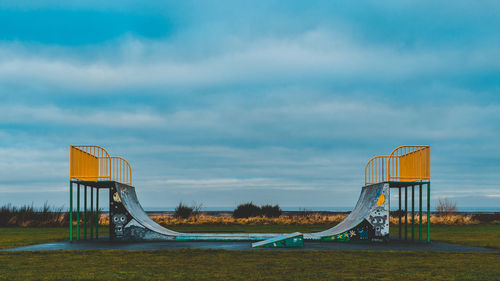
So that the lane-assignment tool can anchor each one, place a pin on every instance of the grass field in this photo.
(481, 235)
(250, 265)
(21, 236)
(247, 265)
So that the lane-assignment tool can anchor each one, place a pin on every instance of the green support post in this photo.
(429, 212)
(70, 211)
(399, 213)
(420, 213)
(97, 213)
(85, 212)
(78, 211)
(412, 213)
(406, 213)
(91, 213)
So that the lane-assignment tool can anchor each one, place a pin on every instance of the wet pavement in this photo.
(104, 244)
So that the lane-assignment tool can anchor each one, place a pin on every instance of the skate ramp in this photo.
(369, 219)
(373, 203)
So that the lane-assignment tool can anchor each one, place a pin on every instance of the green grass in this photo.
(482, 235)
(11, 237)
(247, 265)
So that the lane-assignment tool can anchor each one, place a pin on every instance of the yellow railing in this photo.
(89, 162)
(93, 163)
(405, 163)
(410, 163)
(120, 170)
(376, 170)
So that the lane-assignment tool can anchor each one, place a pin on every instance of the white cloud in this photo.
(317, 54)
(101, 117)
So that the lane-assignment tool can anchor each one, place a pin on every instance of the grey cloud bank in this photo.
(271, 104)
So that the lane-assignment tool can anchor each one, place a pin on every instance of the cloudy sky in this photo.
(223, 102)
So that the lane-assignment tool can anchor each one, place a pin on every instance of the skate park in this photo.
(406, 170)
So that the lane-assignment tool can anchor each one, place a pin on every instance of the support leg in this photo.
(428, 212)
(412, 213)
(70, 211)
(85, 212)
(420, 236)
(97, 213)
(78, 212)
(406, 213)
(399, 213)
(91, 213)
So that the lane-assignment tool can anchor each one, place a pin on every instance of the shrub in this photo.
(247, 210)
(304, 213)
(446, 207)
(183, 211)
(271, 211)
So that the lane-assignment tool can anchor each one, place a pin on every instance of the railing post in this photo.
(78, 212)
(429, 212)
(70, 211)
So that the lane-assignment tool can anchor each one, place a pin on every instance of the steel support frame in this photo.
(78, 211)
(428, 212)
(70, 211)
(399, 212)
(421, 191)
(91, 215)
(413, 213)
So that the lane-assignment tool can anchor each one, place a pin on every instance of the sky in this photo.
(225, 102)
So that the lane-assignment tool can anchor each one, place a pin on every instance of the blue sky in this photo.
(230, 101)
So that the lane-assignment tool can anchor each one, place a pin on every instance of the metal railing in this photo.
(121, 170)
(410, 163)
(89, 162)
(376, 170)
(406, 163)
(93, 163)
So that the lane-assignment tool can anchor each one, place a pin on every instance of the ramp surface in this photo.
(295, 239)
(372, 207)
(368, 221)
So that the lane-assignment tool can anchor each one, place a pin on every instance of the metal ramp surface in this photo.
(295, 239)
(369, 220)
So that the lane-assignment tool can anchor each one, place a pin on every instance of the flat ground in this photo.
(247, 265)
(251, 265)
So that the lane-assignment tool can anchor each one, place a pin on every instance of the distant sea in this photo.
(328, 209)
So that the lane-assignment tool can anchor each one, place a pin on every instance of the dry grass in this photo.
(229, 220)
(441, 220)
(29, 216)
(310, 219)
